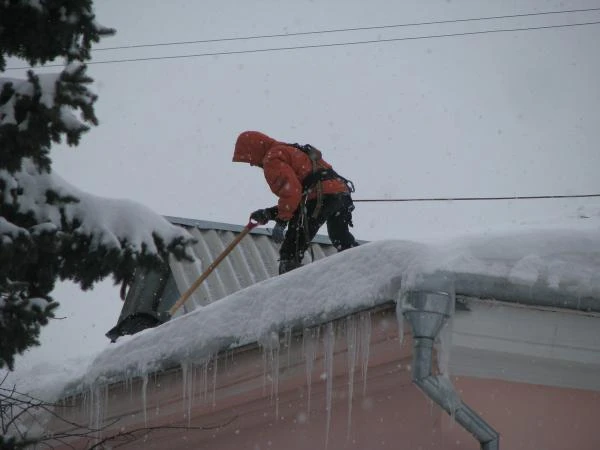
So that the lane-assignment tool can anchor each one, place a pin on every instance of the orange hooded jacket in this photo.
(284, 167)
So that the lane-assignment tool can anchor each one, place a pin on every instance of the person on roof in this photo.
(310, 194)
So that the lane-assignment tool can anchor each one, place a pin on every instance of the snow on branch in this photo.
(113, 224)
(37, 111)
(60, 28)
(9, 231)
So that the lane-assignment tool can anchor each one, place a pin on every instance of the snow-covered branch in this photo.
(37, 111)
(113, 224)
(48, 29)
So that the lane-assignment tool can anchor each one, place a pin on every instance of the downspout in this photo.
(427, 310)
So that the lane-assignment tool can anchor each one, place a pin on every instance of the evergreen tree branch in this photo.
(49, 230)
(48, 29)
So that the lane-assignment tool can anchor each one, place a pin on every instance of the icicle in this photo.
(329, 343)
(351, 344)
(130, 382)
(310, 352)
(195, 382)
(105, 403)
(451, 398)
(214, 387)
(98, 397)
(188, 383)
(288, 344)
(144, 397)
(205, 380)
(190, 396)
(85, 404)
(84, 400)
(91, 405)
(365, 345)
(443, 344)
(400, 319)
(184, 381)
(100, 408)
(265, 369)
(271, 346)
(275, 377)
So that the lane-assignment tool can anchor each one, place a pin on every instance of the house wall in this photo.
(249, 405)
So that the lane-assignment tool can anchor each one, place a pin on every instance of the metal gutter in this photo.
(538, 294)
(427, 310)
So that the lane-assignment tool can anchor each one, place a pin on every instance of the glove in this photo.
(278, 232)
(262, 216)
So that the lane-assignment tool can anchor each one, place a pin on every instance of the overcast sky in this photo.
(410, 115)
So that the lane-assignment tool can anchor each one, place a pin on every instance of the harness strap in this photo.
(302, 226)
(322, 175)
(317, 176)
(319, 187)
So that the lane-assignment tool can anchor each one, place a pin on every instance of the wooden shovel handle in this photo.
(211, 267)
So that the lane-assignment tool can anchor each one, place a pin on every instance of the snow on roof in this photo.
(562, 260)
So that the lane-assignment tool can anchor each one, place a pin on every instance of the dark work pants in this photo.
(336, 211)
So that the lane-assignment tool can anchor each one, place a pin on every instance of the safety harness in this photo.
(319, 174)
(314, 182)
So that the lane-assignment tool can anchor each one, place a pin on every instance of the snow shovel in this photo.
(210, 268)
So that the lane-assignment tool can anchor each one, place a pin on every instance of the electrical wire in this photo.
(340, 44)
(354, 29)
(342, 30)
(454, 199)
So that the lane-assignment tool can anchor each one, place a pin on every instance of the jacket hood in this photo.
(251, 147)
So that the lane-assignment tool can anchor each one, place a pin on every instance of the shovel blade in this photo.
(134, 323)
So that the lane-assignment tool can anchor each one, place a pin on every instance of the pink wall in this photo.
(391, 414)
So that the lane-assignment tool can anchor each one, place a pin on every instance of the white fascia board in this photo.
(516, 343)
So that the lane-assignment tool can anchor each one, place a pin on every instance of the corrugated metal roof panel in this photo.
(254, 259)
(209, 225)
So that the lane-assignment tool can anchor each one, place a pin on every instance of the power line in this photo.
(341, 30)
(454, 199)
(339, 44)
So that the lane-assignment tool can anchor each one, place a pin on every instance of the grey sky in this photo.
(485, 115)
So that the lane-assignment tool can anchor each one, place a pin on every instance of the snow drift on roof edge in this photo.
(562, 261)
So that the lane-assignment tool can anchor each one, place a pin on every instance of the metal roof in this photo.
(254, 259)
(208, 225)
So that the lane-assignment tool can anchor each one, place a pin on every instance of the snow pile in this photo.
(356, 279)
(543, 266)
(558, 259)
